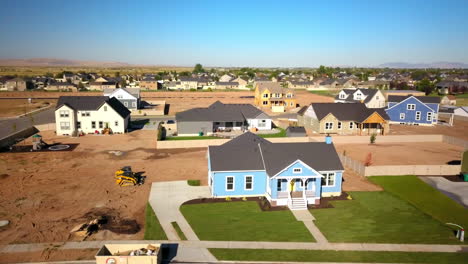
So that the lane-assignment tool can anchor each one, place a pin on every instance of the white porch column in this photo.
(305, 186)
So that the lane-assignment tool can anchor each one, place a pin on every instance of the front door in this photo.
(292, 185)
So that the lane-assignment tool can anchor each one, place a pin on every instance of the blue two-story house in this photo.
(413, 110)
(292, 174)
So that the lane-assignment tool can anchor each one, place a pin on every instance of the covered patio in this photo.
(295, 190)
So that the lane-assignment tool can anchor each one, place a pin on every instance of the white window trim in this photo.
(351, 125)
(339, 125)
(411, 108)
(429, 116)
(245, 183)
(402, 116)
(233, 183)
(416, 116)
(327, 174)
(299, 172)
(331, 127)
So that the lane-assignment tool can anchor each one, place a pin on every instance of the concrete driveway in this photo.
(458, 191)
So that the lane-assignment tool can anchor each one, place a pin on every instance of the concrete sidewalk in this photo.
(457, 191)
(308, 219)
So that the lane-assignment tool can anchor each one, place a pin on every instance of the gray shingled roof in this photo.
(424, 99)
(347, 112)
(83, 103)
(220, 112)
(245, 153)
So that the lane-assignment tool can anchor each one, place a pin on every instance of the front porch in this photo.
(295, 192)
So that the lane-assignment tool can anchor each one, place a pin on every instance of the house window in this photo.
(410, 106)
(351, 125)
(339, 125)
(289, 95)
(116, 123)
(133, 104)
(429, 116)
(377, 97)
(78, 125)
(248, 183)
(297, 170)
(101, 124)
(262, 123)
(65, 125)
(105, 108)
(93, 124)
(120, 96)
(265, 96)
(358, 96)
(126, 104)
(279, 184)
(329, 126)
(342, 96)
(265, 102)
(328, 179)
(64, 113)
(292, 104)
(418, 115)
(230, 183)
(402, 116)
(88, 113)
(238, 124)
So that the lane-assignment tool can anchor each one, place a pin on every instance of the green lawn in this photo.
(179, 231)
(425, 198)
(153, 229)
(243, 221)
(191, 138)
(282, 133)
(380, 217)
(337, 256)
(462, 99)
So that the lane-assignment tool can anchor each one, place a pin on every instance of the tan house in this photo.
(187, 83)
(242, 83)
(226, 85)
(149, 84)
(300, 84)
(16, 84)
(62, 86)
(448, 100)
(343, 119)
(272, 95)
(100, 86)
(403, 93)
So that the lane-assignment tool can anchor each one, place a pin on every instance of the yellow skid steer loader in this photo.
(126, 177)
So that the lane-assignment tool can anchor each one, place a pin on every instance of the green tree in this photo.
(117, 74)
(198, 68)
(425, 86)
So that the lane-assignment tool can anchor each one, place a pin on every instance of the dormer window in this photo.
(297, 170)
(342, 96)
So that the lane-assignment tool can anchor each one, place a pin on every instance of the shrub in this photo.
(368, 161)
(161, 132)
(209, 89)
(244, 199)
(193, 182)
(372, 138)
(193, 90)
(228, 199)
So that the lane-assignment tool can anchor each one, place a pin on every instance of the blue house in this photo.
(413, 110)
(292, 174)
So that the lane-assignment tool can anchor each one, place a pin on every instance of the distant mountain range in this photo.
(47, 62)
(440, 65)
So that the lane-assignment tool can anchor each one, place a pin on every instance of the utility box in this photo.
(129, 254)
(464, 166)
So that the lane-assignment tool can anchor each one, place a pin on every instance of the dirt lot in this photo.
(180, 101)
(50, 254)
(15, 107)
(433, 153)
(459, 130)
(355, 182)
(45, 195)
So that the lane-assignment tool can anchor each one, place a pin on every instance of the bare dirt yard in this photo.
(46, 194)
(49, 254)
(354, 182)
(15, 107)
(183, 100)
(459, 130)
(427, 153)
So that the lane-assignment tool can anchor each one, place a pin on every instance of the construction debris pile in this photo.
(150, 250)
(87, 229)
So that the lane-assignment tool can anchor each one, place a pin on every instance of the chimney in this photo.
(328, 139)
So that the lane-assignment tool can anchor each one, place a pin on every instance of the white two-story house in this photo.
(372, 98)
(90, 114)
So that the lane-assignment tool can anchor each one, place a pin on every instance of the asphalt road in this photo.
(8, 126)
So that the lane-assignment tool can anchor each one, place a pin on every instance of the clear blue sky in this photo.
(237, 33)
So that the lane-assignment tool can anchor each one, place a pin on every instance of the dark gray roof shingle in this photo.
(347, 112)
(220, 112)
(83, 103)
(424, 99)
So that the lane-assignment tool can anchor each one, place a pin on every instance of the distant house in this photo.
(418, 110)
(448, 100)
(226, 78)
(384, 85)
(451, 87)
(296, 132)
(226, 85)
(402, 93)
(300, 84)
(87, 114)
(101, 86)
(346, 119)
(461, 111)
(149, 84)
(62, 86)
(272, 95)
(287, 174)
(372, 98)
(188, 83)
(242, 83)
(221, 117)
(329, 83)
(129, 97)
(16, 84)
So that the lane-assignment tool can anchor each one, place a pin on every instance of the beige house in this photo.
(187, 83)
(448, 100)
(272, 95)
(300, 85)
(149, 84)
(242, 83)
(343, 119)
(403, 93)
(226, 85)
(16, 84)
(101, 86)
(62, 86)
(88, 114)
